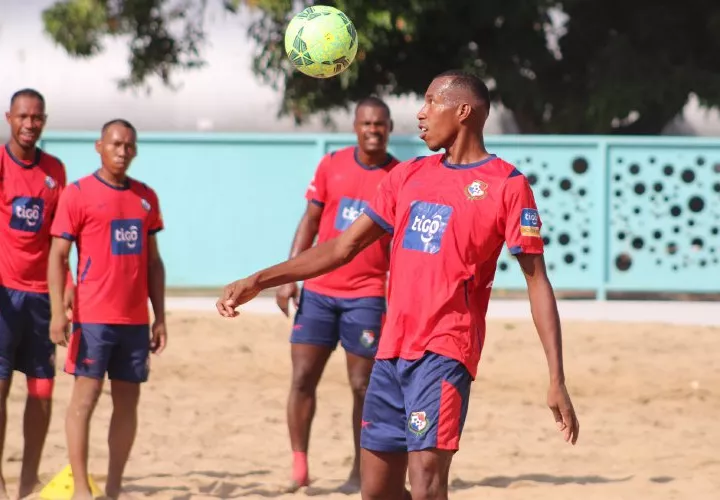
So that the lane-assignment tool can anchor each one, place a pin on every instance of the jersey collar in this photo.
(19, 162)
(124, 187)
(467, 165)
(368, 167)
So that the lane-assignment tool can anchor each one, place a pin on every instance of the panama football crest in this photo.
(50, 182)
(367, 338)
(476, 190)
(145, 204)
(418, 423)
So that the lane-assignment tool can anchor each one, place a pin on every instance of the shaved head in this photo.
(373, 101)
(456, 103)
(461, 87)
(120, 122)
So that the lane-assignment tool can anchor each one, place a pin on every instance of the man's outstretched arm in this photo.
(547, 322)
(313, 262)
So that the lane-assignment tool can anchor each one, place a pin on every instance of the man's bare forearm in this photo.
(308, 264)
(322, 258)
(544, 312)
(547, 322)
(156, 289)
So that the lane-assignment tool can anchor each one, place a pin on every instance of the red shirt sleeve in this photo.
(155, 223)
(68, 219)
(382, 208)
(519, 218)
(317, 189)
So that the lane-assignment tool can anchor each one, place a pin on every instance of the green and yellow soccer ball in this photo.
(321, 41)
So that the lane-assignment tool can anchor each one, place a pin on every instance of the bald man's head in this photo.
(462, 87)
(454, 101)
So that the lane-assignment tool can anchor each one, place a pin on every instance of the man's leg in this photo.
(85, 394)
(360, 325)
(36, 358)
(36, 422)
(429, 474)
(123, 428)
(383, 457)
(437, 392)
(88, 355)
(359, 369)
(129, 367)
(10, 335)
(308, 364)
(383, 475)
(313, 339)
(4, 391)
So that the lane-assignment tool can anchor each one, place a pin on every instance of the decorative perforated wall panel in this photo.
(566, 182)
(664, 218)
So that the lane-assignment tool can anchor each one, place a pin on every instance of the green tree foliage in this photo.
(617, 67)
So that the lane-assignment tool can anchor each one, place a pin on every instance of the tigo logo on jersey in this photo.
(348, 210)
(27, 214)
(426, 226)
(126, 236)
(530, 222)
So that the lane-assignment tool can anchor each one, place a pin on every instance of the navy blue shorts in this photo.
(25, 343)
(355, 323)
(415, 405)
(121, 351)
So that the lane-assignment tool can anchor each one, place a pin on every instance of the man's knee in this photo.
(430, 487)
(86, 393)
(359, 384)
(125, 395)
(429, 472)
(40, 388)
(304, 380)
(382, 475)
(372, 489)
(359, 369)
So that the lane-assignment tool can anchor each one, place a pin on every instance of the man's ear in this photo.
(464, 111)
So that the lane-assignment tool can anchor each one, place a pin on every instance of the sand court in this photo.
(212, 419)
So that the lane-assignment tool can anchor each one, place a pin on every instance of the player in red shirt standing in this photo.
(30, 185)
(450, 215)
(113, 220)
(346, 305)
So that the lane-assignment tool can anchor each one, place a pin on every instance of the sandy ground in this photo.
(213, 417)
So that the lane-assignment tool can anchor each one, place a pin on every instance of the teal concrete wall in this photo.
(624, 214)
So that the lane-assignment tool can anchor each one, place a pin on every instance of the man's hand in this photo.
(563, 411)
(235, 294)
(284, 294)
(158, 340)
(59, 330)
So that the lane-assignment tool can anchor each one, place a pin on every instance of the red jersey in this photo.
(343, 186)
(29, 194)
(450, 223)
(110, 226)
